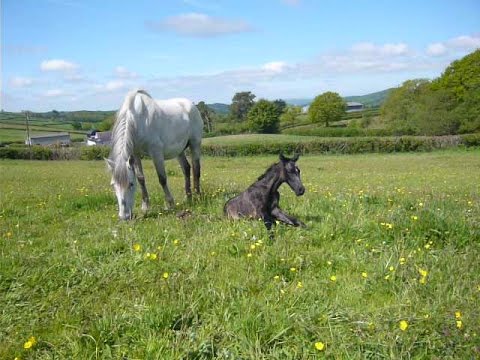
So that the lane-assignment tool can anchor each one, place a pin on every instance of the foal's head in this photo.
(292, 174)
(124, 183)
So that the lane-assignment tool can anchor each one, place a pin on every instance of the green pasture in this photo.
(386, 268)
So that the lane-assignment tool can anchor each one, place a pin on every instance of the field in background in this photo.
(387, 267)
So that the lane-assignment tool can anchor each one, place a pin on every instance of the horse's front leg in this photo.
(182, 159)
(159, 162)
(141, 181)
(279, 215)
(195, 148)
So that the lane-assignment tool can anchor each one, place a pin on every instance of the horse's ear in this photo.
(110, 164)
(131, 162)
(283, 158)
(295, 157)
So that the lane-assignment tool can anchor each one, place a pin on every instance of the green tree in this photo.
(400, 106)
(326, 108)
(289, 116)
(242, 102)
(263, 117)
(77, 125)
(208, 116)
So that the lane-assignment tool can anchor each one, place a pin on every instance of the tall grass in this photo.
(392, 240)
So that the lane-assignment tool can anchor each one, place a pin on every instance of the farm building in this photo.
(99, 138)
(49, 139)
(354, 106)
(351, 107)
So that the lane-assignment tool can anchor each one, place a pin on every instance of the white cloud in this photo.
(371, 49)
(57, 65)
(275, 66)
(123, 73)
(54, 93)
(20, 82)
(436, 49)
(200, 25)
(463, 43)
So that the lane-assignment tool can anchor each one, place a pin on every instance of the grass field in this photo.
(387, 267)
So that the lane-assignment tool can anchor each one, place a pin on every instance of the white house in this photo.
(99, 138)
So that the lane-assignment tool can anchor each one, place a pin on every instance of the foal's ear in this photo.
(130, 162)
(110, 164)
(283, 158)
(295, 157)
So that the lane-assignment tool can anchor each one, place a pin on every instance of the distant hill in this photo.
(219, 108)
(375, 99)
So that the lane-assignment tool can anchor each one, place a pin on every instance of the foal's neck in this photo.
(273, 178)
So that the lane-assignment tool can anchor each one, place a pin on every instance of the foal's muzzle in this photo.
(300, 191)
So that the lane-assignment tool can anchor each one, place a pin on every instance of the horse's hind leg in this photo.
(159, 163)
(141, 181)
(182, 159)
(195, 148)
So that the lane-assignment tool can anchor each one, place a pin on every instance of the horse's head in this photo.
(124, 183)
(292, 174)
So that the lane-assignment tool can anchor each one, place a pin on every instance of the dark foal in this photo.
(260, 200)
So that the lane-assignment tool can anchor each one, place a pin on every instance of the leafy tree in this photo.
(281, 106)
(77, 125)
(327, 107)
(208, 116)
(263, 117)
(242, 102)
(401, 104)
(106, 124)
(290, 115)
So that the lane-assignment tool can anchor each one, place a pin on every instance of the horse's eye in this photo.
(130, 185)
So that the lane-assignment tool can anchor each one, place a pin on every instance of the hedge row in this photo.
(317, 146)
(347, 145)
(311, 130)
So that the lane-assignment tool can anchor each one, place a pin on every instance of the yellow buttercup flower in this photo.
(299, 284)
(423, 272)
(320, 346)
(30, 343)
(403, 325)
(459, 324)
(458, 315)
(364, 275)
(333, 278)
(166, 275)
(137, 247)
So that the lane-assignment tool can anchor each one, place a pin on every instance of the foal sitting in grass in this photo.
(260, 200)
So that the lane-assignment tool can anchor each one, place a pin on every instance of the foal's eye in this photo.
(130, 185)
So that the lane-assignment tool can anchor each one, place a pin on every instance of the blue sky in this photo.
(86, 54)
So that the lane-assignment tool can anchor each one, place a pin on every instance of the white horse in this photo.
(162, 129)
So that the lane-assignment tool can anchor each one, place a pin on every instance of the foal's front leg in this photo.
(141, 181)
(159, 162)
(279, 215)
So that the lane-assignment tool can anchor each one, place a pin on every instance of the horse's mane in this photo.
(268, 171)
(123, 133)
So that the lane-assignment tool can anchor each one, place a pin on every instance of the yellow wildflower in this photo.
(292, 269)
(176, 242)
(299, 284)
(30, 343)
(320, 346)
(249, 255)
(137, 247)
(364, 275)
(459, 324)
(402, 261)
(423, 272)
(333, 278)
(166, 275)
(153, 256)
(276, 277)
(391, 268)
(458, 315)
(403, 325)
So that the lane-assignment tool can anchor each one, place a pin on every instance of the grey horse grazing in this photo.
(162, 129)
(260, 200)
